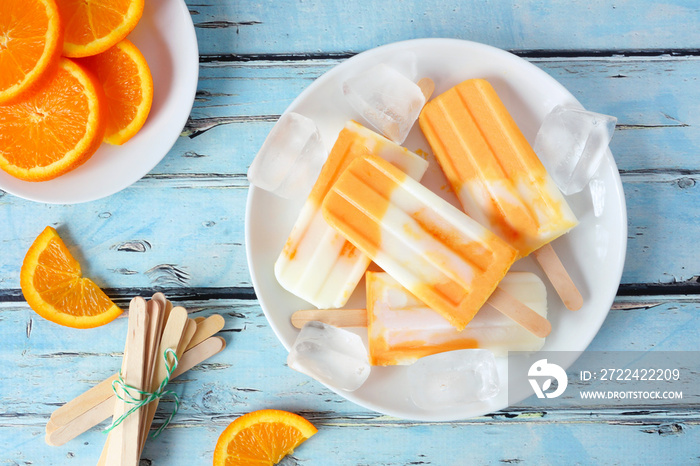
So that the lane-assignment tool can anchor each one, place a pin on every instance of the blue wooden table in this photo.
(180, 230)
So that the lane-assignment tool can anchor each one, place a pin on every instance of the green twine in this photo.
(139, 398)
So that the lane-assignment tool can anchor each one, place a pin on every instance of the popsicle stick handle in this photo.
(206, 328)
(559, 277)
(57, 435)
(89, 416)
(187, 334)
(155, 312)
(178, 331)
(520, 313)
(122, 449)
(83, 403)
(427, 87)
(336, 317)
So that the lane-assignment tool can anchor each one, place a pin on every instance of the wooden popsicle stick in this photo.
(122, 449)
(83, 403)
(155, 331)
(187, 334)
(50, 426)
(199, 319)
(547, 257)
(96, 413)
(206, 328)
(500, 299)
(427, 87)
(175, 328)
(199, 353)
(166, 305)
(336, 317)
(87, 419)
(503, 302)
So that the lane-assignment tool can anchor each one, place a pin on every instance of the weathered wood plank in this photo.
(239, 102)
(233, 381)
(140, 237)
(528, 443)
(121, 247)
(317, 26)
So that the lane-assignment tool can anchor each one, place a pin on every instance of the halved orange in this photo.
(262, 437)
(31, 41)
(55, 128)
(93, 26)
(128, 87)
(53, 285)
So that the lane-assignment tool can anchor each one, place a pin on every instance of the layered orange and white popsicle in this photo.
(317, 263)
(402, 329)
(492, 168)
(446, 259)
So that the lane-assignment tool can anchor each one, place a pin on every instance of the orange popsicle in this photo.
(446, 259)
(402, 329)
(317, 263)
(492, 168)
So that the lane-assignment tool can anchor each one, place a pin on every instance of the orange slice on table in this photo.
(128, 87)
(55, 128)
(53, 285)
(30, 43)
(261, 438)
(93, 26)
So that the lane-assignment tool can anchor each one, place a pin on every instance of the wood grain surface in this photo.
(180, 230)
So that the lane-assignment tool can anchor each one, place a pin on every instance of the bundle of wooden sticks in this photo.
(161, 343)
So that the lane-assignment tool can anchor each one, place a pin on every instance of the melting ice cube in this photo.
(571, 143)
(387, 99)
(290, 159)
(453, 378)
(332, 355)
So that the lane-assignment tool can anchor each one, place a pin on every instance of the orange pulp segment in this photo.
(30, 43)
(262, 437)
(93, 26)
(128, 88)
(53, 285)
(56, 128)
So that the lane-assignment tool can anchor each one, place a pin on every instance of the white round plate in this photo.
(166, 37)
(593, 252)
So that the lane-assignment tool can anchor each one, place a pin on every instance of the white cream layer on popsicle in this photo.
(402, 328)
(317, 263)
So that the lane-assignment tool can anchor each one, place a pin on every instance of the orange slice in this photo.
(55, 128)
(53, 285)
(30, 43)
(261, 438)
(93, 26)
(128, 88)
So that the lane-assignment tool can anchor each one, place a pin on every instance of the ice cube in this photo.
(571, 143)
(290, 159)
(332, 355)
(453, 378)
(387, 99)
